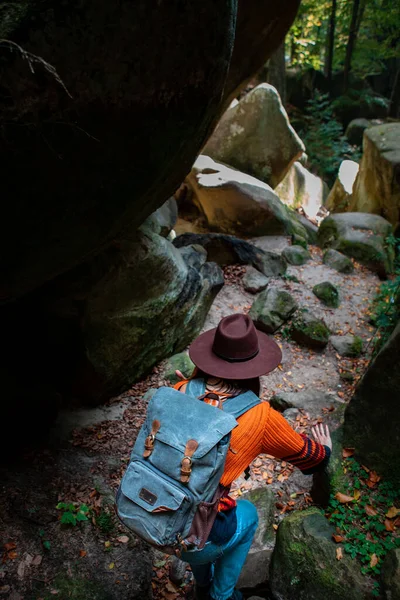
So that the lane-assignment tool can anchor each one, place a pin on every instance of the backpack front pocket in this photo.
(152, 505)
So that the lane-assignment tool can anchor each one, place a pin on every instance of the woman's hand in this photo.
(180, 375)
(321, 435)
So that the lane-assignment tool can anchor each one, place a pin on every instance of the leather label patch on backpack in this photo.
(147, 496)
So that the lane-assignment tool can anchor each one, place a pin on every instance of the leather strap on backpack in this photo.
(149, 441)
(186, 463)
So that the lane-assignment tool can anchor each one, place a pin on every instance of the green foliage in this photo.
(323, 137)
(45, 543)
(363, 523)
(73, 514)
(385, 307)
(104, 521)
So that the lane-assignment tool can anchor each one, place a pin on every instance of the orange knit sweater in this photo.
(263, 430)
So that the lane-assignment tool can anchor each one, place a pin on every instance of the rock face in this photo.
(80, 163)
(373, 413)
(377, 188)
(338, 261)
(163, 220)
(302, 189)
(296, 255)
(271, 309)
(255, 136)
(194, 255)
(254, 281)
(340, 196)
(361, 236)
(327, 293)
(304, 564)
(229, 250)
(256, 567)
(260, 29)
(310, 400)
(391, 575)
(347, 345)
(309, 330)
(236, 203)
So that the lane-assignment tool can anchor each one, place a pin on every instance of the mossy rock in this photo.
(296, 255)
(180, 362)
(337, 261)
(304, 564)
(327, 293)
(271, 309)
(347, 345)
(298, 240)
(309, 330)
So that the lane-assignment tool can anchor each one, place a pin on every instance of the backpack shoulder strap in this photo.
(239, 405)
(195, 387)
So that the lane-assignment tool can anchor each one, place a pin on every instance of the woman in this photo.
(229, 361)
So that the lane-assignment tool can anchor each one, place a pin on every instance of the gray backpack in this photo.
(170, 492)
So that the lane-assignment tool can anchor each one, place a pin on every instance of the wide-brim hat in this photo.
(235, 350)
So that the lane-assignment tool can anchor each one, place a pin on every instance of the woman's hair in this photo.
(254, 384)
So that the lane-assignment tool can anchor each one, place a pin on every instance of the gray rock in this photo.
(235, 203)
(271, 264)
(309, 330)
(327, 293)
(271, 309)
(347, 345)
(254, 281)
(179, 362)
(311, 228)
(163, 220)
(256, 568)
(255, 136)
(291, 415)
(338, 261)
(361, 236)
(372, 419)
(296, 255)
(194, 255)
(391, 574)
(355, 131)
(302, 189)
(177, 570)
(311, 400)
(304, 564)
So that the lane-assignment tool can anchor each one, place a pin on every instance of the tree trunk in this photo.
(277, 71)
(330, 44)
(351, 43)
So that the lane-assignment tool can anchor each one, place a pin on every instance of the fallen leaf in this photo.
(339, 553)
(347, 452)
(373, 476)
(337, 538)
(392, 512)
(37, 560)
(370, 510)
(374, 560)
(82, 553)
(4, 589)
(12, 555)
(275, 526)
(21, 569)
(10, 546)
(171, 588)
(107, 544)
(389, 525)
(123, 539)
(343, 498)
(111, 565)
(357, 494)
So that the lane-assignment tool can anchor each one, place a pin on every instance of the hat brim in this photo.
(267, 359)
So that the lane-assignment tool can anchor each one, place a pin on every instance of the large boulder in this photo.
(327, 293)
(99, 129)
(296, 255)
(255, 136)
(355, 131)
(311, 400)
(304, 564)
(347, 345)
(229, 250)
(340, 196)
(377, 188)
(361, 236)
(337, 261)
(302, 189)
(236, 203)
(254, 281)
(256, 568)
(272, 308)
(372, 419)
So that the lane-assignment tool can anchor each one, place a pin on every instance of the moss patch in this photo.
(327, 293)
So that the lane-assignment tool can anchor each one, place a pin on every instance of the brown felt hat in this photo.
(235, 350)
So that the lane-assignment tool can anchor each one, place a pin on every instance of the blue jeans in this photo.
(221, 565)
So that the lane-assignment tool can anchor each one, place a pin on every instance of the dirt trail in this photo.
(90, 448)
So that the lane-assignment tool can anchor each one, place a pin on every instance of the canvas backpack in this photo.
(170, 492)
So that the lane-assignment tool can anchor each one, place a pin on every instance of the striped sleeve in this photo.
(282, 441)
